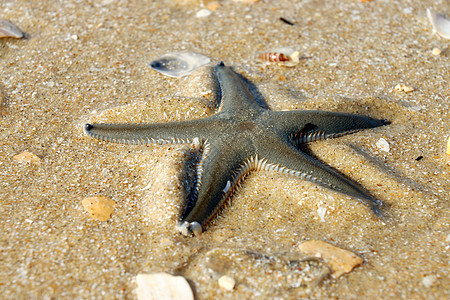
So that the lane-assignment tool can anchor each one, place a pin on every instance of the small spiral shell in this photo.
(273, 56)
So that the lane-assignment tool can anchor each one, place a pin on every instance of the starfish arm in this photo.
(218, 174)
(160, 133)
(289, 159)
(308, 126)
(235, 93)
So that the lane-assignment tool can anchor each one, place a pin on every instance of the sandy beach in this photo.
(88, 61)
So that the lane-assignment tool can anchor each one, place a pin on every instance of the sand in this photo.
(88, 61)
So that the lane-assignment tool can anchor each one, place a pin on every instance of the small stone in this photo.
(403, 88)
(27, 157)
(226, 283)
(163, 286)
(202, 13)
(213, 6)
(383, 145)
(429, 281)
(436, 51)
(341, 261)
(99, 207)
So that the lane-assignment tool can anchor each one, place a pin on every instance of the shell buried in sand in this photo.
(179, 64)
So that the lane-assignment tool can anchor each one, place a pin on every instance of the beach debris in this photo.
(383, 145)
(27, 157)
(448, 146)
(8, 29)
(403, 88)
(226, 282)
(213, 6)
(436, 51)
(178, 64)
(163, 286)
(246, 1)
(321, 211)
(341, 261)
(204, 12)
(440, 24)
(99, 207)
(429, 281)
(283, 56)
(286, 21)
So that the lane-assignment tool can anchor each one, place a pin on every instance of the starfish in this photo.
(242, 137)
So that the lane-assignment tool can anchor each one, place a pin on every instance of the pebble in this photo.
(341, 261)
(403, 88)
(213, 6)
(163, 286)
(27, 157)
(429, 281)
(436, 51)
(204, 12)
(99, 207)
(383, 145)
(226, 283)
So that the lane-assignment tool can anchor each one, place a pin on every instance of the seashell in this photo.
(273, 56)
(179, 64)
(284, 56)
(8, 29)
(340, 260)
(441, 25)
(163, 286)
(383, 145)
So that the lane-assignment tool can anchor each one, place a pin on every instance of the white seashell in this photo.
(162, 286)
(440, 24)
(8, 29)
(383, 145)
(179, 64)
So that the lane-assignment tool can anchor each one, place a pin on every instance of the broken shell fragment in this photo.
(179, 64)
(8, 29)
(403, 88)
(99, 207)
(27, 157)
(341, 261)
(163, 286)
(441, 25)
(383, 145)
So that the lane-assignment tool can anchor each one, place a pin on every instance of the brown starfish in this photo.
(243, 137)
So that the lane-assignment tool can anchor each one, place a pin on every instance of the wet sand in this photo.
(88, 61)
